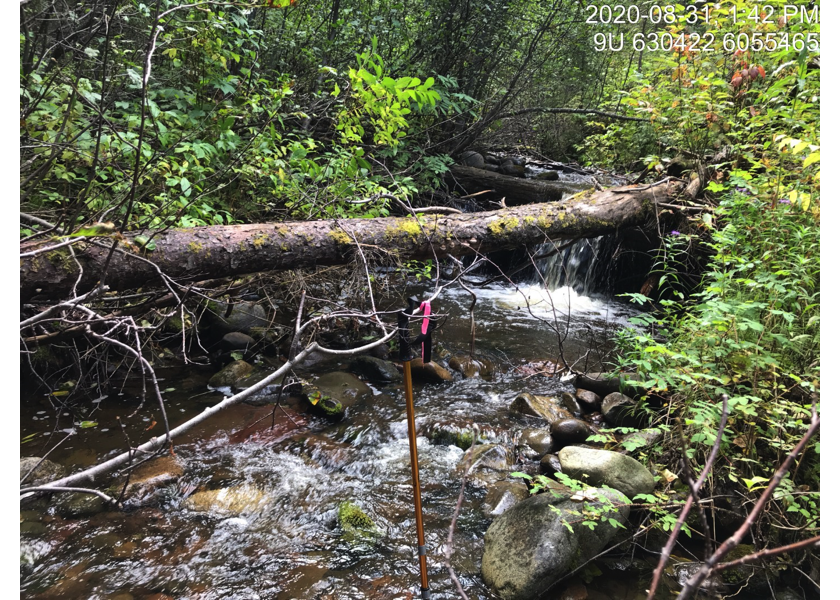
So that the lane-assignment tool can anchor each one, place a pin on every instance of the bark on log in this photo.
(514, 190)
(206, 252)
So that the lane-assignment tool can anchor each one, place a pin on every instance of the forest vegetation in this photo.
(143, 121)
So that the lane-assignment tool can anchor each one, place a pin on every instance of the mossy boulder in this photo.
(355, 524)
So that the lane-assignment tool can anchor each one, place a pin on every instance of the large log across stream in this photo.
(226, 250)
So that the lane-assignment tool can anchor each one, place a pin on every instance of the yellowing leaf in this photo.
(800, 147)
(812, 158)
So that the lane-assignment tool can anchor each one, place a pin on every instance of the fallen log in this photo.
(515, 191)
(188, 255)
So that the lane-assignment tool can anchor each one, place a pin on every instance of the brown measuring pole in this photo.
(405, 357)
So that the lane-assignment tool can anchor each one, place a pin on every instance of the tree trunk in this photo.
(228, 250)
(514, 190)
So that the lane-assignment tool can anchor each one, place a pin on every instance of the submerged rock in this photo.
(753, 578)
(375, 369)
(431, 372)
(230, 374)
(529, 547)
(603, 467)
(467, 367)
(343, 387)
(149, 477)
(75, 505)
(486, 464)
(233, 500)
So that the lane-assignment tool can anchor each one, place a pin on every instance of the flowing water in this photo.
(280, 538)
(282, 541)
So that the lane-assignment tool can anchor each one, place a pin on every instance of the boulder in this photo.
(471, 158)
(570, 431)
(547, 408)
(641, 439)
(547, 176)
(529, 547)
(618, 410)
(343, 387)
(230, 374)
(501, 496)
(46, 472)
(589, 401)
(607, 383)
(550, 464)
(375, 369)
(535, 443)
(236, 340)
(603, 467)
(243, 317)
(431, 372)
(508, 168)
(571, 404)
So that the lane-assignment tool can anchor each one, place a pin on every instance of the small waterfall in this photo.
(582, 266)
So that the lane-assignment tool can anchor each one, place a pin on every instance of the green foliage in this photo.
(589, 514)
(380, 100)
(204, 133)
(749, 326)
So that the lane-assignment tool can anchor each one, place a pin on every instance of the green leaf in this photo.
(88, 424)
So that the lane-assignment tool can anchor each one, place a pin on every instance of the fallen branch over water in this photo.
(188, 255)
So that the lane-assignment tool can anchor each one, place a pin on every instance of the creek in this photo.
(282, 540)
